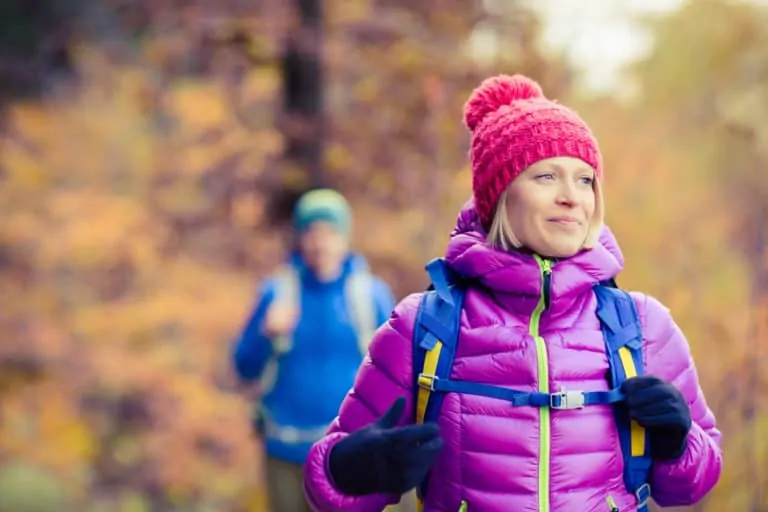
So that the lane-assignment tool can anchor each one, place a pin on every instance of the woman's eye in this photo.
(545, 176)
(587, 180)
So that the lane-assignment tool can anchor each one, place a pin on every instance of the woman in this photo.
(533, 249)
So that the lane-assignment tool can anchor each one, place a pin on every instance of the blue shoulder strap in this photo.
(624, 347)
(435, 338)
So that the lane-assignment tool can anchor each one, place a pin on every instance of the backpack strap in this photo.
(624, 347)
(435, 338)
(362, 310)
(287, 291)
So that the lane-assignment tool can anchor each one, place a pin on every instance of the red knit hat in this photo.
(514, 126)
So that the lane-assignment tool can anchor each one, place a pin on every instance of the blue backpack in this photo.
(436, 337)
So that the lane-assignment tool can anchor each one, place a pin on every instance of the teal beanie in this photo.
(322, 205)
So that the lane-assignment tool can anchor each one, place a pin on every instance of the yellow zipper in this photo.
(545, 266)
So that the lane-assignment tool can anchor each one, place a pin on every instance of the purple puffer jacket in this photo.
(502, 458)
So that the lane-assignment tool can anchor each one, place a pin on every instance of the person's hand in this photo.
(280, 319)
(382, 458)
(661, 409)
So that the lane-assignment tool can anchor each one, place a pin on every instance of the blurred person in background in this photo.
(306, 339)
(524, 379)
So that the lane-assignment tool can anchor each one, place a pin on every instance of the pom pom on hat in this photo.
(497, 92)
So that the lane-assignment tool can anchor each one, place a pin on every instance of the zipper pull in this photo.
(612, 505)
(463, 507)
(546, 266)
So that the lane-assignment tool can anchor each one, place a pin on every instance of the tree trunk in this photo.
(303, 95)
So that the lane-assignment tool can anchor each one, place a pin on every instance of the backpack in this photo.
(436, 336)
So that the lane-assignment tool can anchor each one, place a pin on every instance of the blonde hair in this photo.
(500, 235)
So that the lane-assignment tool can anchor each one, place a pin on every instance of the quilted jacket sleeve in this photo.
(688, 479)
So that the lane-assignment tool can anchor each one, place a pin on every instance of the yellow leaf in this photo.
(24, 170)
(199, 106)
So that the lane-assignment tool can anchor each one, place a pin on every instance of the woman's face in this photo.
(550, 206)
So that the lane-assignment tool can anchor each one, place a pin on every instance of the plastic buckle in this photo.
(427, 381)
(643, 494)
(567, 400)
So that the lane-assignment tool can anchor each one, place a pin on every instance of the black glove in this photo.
(381, 459)
(661, 409)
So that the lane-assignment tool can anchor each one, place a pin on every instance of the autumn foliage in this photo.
(136, 196)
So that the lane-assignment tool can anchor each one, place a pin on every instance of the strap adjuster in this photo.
(567, 400)
(643, 494)
(427, 381)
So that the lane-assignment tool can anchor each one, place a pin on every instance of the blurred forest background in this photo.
(150, 151)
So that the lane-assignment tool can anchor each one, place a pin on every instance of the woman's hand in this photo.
(659, 407)
(382, 458)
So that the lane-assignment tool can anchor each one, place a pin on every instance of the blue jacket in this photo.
(313, 377)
